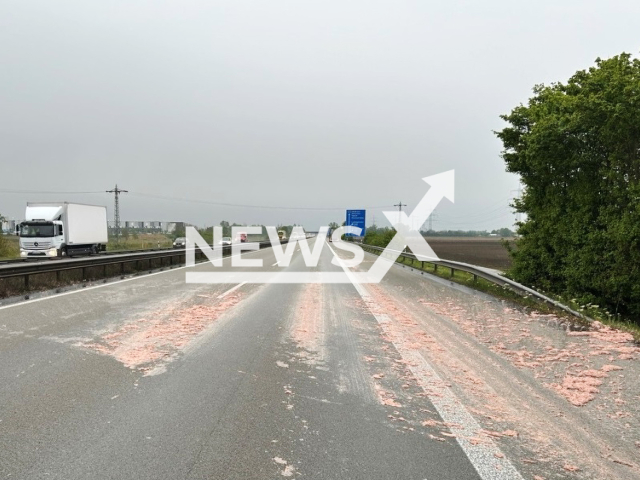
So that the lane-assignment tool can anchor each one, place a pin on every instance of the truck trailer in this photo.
(62, 229)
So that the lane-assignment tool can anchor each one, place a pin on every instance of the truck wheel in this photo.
(94, 249)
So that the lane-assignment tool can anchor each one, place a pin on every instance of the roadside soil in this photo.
(482, 251)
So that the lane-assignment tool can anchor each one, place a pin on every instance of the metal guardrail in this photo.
(7, 261)
(24, 268)
(480, 272)
(167, 258)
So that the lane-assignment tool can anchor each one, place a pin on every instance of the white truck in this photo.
(62, 229)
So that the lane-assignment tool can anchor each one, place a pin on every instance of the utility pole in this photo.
(400, 205)
(432, 217)
(519, 192)
(116, 214)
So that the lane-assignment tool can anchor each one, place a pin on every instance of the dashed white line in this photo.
(222, 295)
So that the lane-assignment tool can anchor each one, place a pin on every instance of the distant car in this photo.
(180, 242)
(225, 241)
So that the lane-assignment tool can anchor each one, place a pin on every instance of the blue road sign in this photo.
(356, 218)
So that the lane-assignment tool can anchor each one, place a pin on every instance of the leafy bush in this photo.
(379, 237)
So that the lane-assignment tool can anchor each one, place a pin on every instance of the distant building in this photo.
(149, 226)
(9, 226)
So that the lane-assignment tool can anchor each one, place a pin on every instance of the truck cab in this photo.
(41, 238)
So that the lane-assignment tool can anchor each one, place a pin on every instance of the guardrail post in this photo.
(58, 275)
(452, 272)
(26, 282)
(84, 273)
(435, 268)
(475, 279)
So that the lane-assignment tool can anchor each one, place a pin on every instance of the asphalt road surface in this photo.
(154, 378)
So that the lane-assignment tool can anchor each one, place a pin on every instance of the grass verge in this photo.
(140, 242)
(9, 247)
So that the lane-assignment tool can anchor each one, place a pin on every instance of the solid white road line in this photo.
(486, 458)
(222, 295)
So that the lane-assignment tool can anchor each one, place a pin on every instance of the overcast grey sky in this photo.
(280, 103)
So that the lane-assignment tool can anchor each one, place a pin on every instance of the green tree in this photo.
(576, 147)
(503, 232)
(207, 235)
(286, 228)
(226, 228)
(180, 230)
(379, 237)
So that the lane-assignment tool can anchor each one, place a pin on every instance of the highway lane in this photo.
(155, 378)
(505, 366)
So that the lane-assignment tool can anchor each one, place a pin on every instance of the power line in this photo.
(484, 212)
(477, 222)
(478, 218)
(198, 201)
(240, 205)
(48, 192)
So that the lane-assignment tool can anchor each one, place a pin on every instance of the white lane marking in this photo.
(486, 457)
(141, 277)
(222, 295)
(275, 264)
